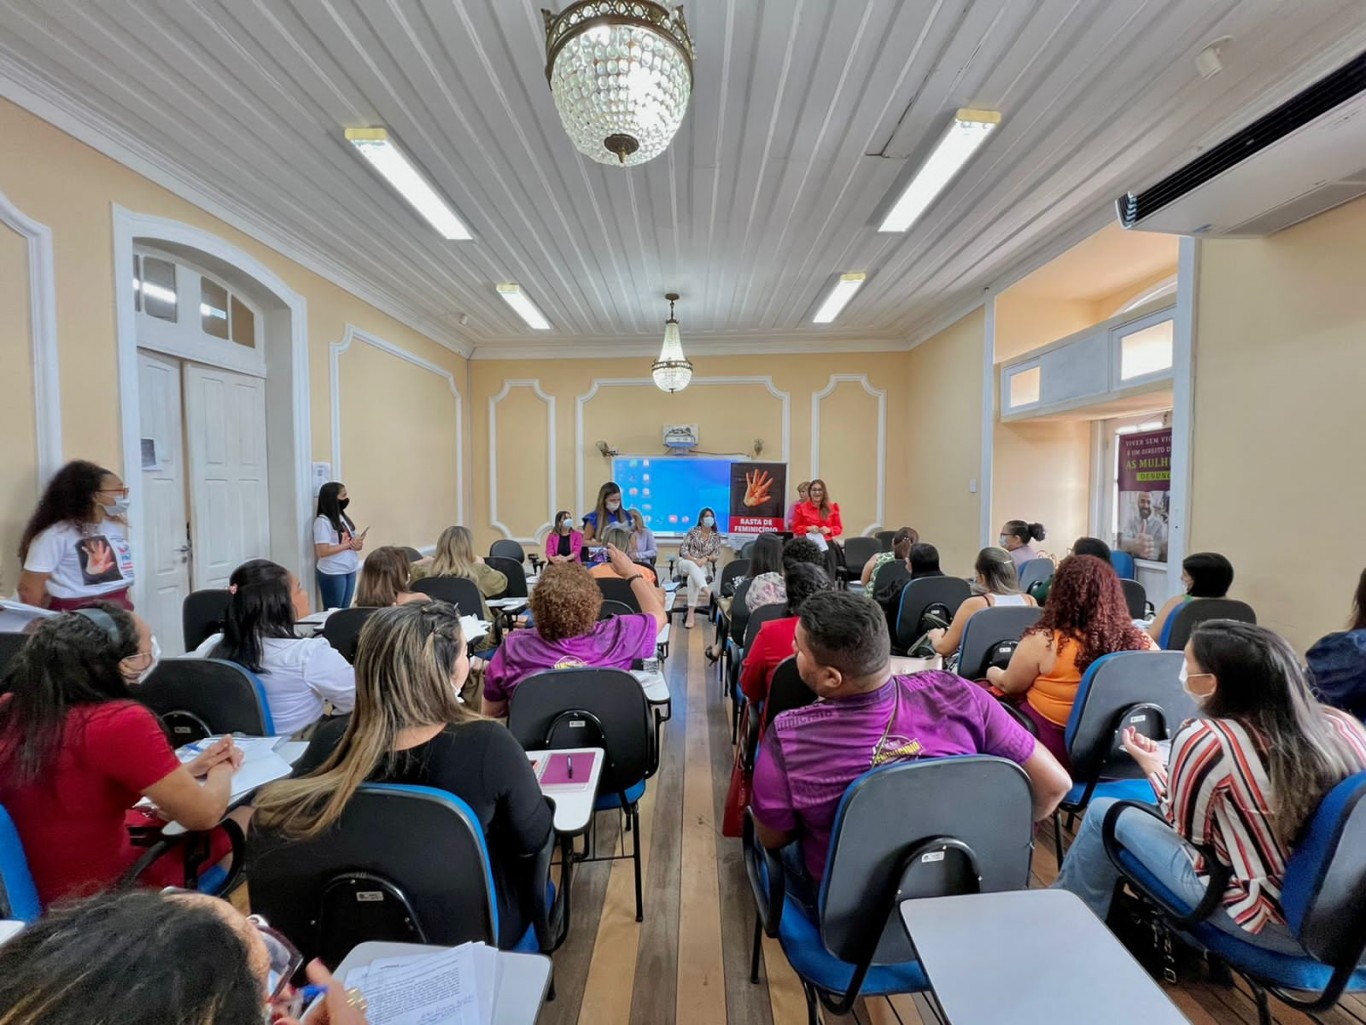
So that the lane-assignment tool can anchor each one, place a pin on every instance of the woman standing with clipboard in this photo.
(336, 545)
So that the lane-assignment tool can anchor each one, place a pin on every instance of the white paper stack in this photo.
(473, 628)
(453, 987)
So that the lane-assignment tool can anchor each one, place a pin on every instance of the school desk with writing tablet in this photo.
(569, 777)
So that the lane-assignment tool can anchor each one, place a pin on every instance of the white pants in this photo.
(696, 574)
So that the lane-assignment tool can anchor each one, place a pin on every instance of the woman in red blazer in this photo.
(817, 514)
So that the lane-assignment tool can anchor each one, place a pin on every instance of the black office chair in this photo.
(508, 549)
(603, 708)
(201, 615)
(413, 554)
(1136, 597)
(612, 608)
(374, 876)
(514, 571)
(1182, 623)
(747, 550)
(884, 539)
(929, 828)
(857, 551)
(989, 636)
(1035, 571)
(757, 618)
(199, 697)
(939, 596)
(617, 590)
(786, 691)
(461, 592)
(342, 630)
(730, 629)
(730, 576)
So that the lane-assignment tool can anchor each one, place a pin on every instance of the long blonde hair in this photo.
(404, 663)
(454, 554)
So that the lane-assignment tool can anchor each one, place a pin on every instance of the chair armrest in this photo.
(165, 845)
(1179, 918)
(1020, 718)
(769, 900)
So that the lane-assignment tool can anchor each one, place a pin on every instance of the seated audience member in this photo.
(564, 543)
(140, 958)
(996, 586)
(409, 727)
(1091, 546)
(867, 717)
(766, 585)
(567, 632)
(801, 549)
(698, 554)
(1337, 663)
(647, 548)
(299, 674)
(1205, 575)
(773, 643)
(622, 538)
(924, 561)
(1086, 617)
(902, 542)
(77, 751)
(1015, 538)
(454, 557)
(1241, 780)
(385, 579)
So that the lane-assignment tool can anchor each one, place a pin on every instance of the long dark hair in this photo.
(69, 660)
(1211, 574)
(1359, 605)
(604, 517)
(825, 495)
(184, 960)
(701, 514)
(261, 605)
(330, 506)
(1261, 685)
(1086, 606)
(67, 498)
(767, 556)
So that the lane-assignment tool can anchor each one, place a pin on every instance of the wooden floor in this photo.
(688, 962)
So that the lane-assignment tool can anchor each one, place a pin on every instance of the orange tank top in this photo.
(1054, 692)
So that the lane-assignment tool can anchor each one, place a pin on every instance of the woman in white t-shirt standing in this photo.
(336, 545)
(75, 547)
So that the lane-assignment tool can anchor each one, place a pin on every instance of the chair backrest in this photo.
(1124, 564)
(201, 615)
(1034, 571)
(461, 592)
(612, 608)
(18, 894)
(618, 590)
(1182, 623)
(199, 697)
(739, 609)
(919, 595)
(1324, 892)
(342, 629)
(858, 550)
(376, 866)
(413, 554)
(747, 550)
(1136, 596)
(10, 643)
(508, 549)
(885, 820)
(1111, 685)
(884, 539)
(514, 571)
(763, 614)
(730, 573)
(786, 691)
(987, 628)
(612, 696)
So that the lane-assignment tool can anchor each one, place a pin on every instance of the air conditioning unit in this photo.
(680, 436)
(1306, 156)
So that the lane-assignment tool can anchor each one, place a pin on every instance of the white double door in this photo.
(205, 499)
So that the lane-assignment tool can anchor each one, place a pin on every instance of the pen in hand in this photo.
(570, 760)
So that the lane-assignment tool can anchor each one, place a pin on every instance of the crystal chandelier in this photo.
(672, 371)
(621, 74)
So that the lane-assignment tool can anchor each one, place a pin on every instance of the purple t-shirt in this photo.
(810, 755)
(612, 644)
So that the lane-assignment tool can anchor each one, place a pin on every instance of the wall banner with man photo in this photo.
(1145, 480)
(757, 493)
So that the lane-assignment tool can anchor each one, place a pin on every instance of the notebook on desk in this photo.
(564, 771)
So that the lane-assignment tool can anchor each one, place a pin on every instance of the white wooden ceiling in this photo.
(805, 115)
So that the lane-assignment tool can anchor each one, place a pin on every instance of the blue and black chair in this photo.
(1124, 564)
(1323, 895)
(1141, 689)
(930, 828)
(606, 708)
(1035, 571)
(612, 608)
(618, 590)
(730, 629)
(937, 596)
(786, 691)
(763, 614)
(991, 635)
(1176, 632)
(406, 864)
(18, 894)
(201, 697)
(1136, 597)
(857, 551)
(342, 630)
(201, 615)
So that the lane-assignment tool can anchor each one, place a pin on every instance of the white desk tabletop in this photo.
(655, 686)
(663, 636)
(573, 802)
(1072, 970)
(10, 928)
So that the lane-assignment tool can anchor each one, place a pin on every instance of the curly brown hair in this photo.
(1086, 604)
(565, 602)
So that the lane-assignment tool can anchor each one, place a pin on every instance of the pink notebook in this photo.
(567, 768)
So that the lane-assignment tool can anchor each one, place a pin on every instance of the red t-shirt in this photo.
(71, 820)
(772, 644)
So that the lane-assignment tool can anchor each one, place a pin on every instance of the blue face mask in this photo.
(119, 507)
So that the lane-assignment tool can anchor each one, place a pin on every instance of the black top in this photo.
(564, 544)
(482, 764)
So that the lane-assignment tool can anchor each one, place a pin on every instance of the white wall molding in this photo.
(1183, 408)
(355, 334)
(552, 452)
(987, 469)
(42, 316)
(635, 382)
(711, 345)
(817, 398)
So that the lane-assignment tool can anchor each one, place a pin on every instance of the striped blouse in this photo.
(1219, 795)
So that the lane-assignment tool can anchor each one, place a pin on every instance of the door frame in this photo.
(294, 549)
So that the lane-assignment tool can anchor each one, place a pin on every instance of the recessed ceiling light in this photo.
(393, 164)
(969, 130)
(839, 297)
(526, 309)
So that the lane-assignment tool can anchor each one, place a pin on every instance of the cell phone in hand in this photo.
(597, 555)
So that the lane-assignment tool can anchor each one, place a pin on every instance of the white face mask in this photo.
(119, 508)
(1199, 699)
(708, 521)
(151, 666)
(613, 504)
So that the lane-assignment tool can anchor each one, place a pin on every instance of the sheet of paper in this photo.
(473, 628)
(258, 773)
(430, 989)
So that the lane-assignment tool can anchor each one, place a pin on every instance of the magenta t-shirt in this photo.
(810, 755)
(612, 644)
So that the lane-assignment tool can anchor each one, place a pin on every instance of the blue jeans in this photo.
(336, 589)
(1088, 872)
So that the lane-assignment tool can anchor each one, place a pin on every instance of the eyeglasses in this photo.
(113, 491)
(142, 659)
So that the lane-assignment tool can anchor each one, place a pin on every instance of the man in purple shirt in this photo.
(866, 717)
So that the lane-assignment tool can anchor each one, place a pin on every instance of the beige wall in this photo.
(1280, 361)
(71, 188)
(1025, 322)
(18, 452)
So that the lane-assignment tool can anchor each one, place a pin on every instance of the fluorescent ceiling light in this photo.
(969, 130)
(839, 297)
(375, 146)
(525, 308)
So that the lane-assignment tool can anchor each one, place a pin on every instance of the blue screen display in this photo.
(670, 490)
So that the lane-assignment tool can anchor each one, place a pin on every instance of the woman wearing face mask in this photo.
(607, 511)
(697, 555)
(565, 542)
(75, 546)
(1241, 780)
(337, 546)
(77, 751)
(646, 547)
